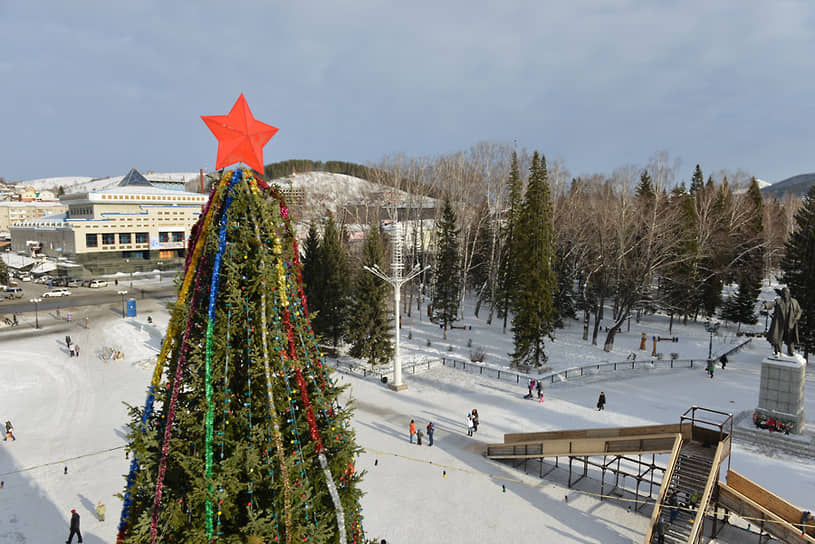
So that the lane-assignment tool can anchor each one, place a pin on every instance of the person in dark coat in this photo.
(74, 528)
(660, 531)
(475, 420)
(601, 401)
(68, 341)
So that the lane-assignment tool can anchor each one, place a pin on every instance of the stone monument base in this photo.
(782, 390)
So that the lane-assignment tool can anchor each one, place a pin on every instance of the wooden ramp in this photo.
(771, 513)
(588, 442)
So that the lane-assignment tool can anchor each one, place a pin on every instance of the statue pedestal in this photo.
(782, 389)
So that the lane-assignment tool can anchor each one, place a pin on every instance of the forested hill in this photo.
(284, 169)
(799, 185)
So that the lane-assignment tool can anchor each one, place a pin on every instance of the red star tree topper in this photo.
(240, 136)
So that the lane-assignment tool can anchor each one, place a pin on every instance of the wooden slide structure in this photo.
(698, 446)
(769, 512)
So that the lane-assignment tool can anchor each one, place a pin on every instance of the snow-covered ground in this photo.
(69, 412)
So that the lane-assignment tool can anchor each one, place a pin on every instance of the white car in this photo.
(56, 293)
(98, 283)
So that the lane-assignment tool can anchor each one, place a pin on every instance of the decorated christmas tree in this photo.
(242, 438)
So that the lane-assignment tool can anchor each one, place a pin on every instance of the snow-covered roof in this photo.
(13, 260)
(44, 221)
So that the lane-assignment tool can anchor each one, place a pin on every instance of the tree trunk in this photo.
(598, 315)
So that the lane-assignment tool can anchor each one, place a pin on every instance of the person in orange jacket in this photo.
(412, 430)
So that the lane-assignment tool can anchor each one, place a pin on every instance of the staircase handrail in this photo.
(663, 489)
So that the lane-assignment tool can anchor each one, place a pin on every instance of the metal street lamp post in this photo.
(396, 281)
(711, 328)
(159, 271)
(36, 303)
(123, 293)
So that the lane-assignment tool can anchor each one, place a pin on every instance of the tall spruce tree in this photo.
(564, 297)
(697, 181)
(241, 438)
(446, 272)
(508, 261)
(480, 275)
(741, 308)
(534, 314)
(645, 188)
(681, 290)
(369, 324)
(334, 286)
(798, 266)
(312, 267)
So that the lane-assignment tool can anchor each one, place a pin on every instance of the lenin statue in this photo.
(784, 327)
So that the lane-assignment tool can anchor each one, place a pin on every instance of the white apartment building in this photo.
(129, 227)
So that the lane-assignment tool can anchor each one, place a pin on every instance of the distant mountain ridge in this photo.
(799, 185)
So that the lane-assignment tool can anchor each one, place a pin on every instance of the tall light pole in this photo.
(131, 272)
(123, 293)
(159, 270)
(396, 281)
(36, 303)
(711, 328)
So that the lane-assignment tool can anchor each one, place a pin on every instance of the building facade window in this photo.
(124, 237)
(142, 237)
(178, 237)
(91, 240)
(163, 237)
(108, 238)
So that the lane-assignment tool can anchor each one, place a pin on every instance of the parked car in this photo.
(44, 279)
(57, 293)
(25, 277)
(98, 283)
(73, 282)
(60, 282)
(13, 292)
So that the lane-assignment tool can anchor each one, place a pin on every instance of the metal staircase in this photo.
(693, 470)
(691, 477)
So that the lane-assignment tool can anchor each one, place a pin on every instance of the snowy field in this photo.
(69, 412)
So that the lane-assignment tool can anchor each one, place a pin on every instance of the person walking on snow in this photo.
(430, 429)
(710, 368)
(539, 387)
(100, 511)
(601, 401)
(475, 420)
(76, 349)
(412, 430)
(74, 528)
(469, 423)
(68, 341)
(419, 436)
(9, 434)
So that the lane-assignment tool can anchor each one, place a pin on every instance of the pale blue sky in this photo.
(96, 87)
